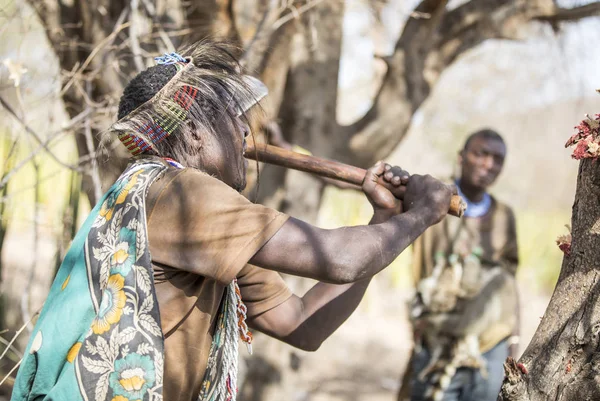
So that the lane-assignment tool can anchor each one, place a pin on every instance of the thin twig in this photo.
(420, 15)
(89, 141)
(11, 372)
(51, 138)
(260, 31)
(12, 347)
(18, 333)
(87, 96)
(11, 152)
(45, 178)
(36, 219)
(82, 161)
(133, 36)
(151, 10)
(171, 34)
(295, 13)
(119, 26)
(30, 131)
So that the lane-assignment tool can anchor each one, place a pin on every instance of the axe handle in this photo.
(324, 168)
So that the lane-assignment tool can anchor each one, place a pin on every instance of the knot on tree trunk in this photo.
(514, 386)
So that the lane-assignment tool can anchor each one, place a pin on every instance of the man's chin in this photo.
(484, 183)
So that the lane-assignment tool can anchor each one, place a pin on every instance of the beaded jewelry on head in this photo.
(170, 58)
(155, 131)
(207, 86)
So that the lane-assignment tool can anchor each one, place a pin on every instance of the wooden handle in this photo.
(325, 168)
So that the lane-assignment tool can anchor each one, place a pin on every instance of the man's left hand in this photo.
(386, 200)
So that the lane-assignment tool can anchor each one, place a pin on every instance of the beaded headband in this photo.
(198, 92)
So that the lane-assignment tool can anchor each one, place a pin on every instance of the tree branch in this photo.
(50, 138)
(38, 139)
(427, 47)
(89, 141)
(572, 14)
(402, 91)
(133, 35)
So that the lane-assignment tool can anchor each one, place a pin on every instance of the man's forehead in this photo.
(489, 145)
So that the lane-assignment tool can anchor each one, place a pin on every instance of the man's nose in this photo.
(488, 162)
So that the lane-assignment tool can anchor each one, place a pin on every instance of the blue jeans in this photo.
(467, 384)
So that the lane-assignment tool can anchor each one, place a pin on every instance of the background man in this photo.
(487, 234)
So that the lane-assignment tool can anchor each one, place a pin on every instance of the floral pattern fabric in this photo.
(98, 336)
(121, 358)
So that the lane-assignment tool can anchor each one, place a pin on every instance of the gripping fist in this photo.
(384, 187)
(430, 195)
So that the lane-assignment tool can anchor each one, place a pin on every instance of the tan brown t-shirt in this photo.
(202, 234)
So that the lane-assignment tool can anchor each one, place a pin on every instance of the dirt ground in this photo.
(365, 359)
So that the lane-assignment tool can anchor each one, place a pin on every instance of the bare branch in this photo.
(106, 42)
(402, 91)
(133, 36)
(51, 138)
(11, 372)
(9, 346)
(18, 333)
(151, 10)
(30, 131)
(26, 293)
(295, 13)
(95, 173)
(263, 31)
(427, 47)
(572, 14)
(12, 347)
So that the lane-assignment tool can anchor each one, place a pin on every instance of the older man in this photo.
(174, 264)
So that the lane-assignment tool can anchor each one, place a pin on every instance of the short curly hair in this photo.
(144, 86)
(485, 133)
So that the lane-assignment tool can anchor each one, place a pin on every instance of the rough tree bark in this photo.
(562, 361)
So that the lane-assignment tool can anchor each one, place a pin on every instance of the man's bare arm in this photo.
(349, 254)
(305, 322)
(343, 255)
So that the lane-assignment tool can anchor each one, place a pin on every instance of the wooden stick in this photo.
(324, 168)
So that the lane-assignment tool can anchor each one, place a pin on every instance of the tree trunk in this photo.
(562, 362)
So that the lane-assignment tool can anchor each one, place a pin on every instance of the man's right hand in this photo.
(429, 195)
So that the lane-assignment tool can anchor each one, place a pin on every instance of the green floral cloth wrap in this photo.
(98, 336)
